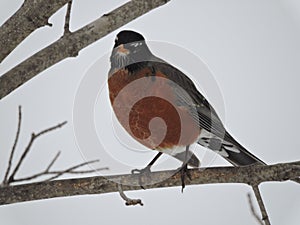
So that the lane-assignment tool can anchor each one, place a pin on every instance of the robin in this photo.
(160, 107)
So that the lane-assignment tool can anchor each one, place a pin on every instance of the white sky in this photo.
(253, 51)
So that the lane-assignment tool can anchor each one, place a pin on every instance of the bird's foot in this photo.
(183, 173)
(144, 175)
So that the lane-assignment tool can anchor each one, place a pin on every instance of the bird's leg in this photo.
(184, 170)
(147, 169)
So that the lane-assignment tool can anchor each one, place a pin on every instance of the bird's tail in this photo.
(229, 149)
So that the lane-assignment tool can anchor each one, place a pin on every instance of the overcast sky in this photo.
(245, 57)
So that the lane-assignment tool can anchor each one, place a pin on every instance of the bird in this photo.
(160, 107)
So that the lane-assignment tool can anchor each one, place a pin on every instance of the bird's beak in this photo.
(121, 49)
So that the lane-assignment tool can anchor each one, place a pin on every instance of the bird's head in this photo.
(130, 47)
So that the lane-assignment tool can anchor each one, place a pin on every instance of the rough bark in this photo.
(252, 175)
(32, 15)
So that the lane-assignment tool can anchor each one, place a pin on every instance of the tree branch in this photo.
(27, 149)
(261, 204)
(69, 45)
(29, 17)
(9, 178)
(100, 185)
(256, 216)
(128, 201)
(58, 173)
(67, 19)
(12, 152)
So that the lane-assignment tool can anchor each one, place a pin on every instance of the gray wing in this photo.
(219, 139)
(189, 97)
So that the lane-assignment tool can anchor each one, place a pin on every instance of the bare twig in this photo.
(128, 201)
(67, 19)
(5, 180)
(58, 173)
(23, 156)
(45, 172)
(70, 45)
(262, 207)
(53, 161)
(10, 178)
(41, 173)
(60, 125)
(254, 213)
(72, 170)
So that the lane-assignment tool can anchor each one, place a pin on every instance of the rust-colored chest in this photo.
(146, 106)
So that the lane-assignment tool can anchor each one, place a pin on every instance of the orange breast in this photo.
(146, 107)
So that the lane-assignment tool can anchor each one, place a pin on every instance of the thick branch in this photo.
(30, 16)
(69, 45)
(100, 185)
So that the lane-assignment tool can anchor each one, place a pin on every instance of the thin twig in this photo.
(28, 178)
(262, 207)
(60, 125)
(32, 139)
(46, 171)
(254, 213)
(67, 18)
(85, 171)
(71, 170)
(128, 201)
(53, 161)
(58, 173)
(5, 181)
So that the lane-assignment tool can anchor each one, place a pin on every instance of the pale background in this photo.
(253, 51)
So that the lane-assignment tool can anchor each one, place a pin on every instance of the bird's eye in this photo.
(116, 39)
